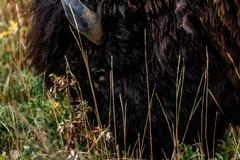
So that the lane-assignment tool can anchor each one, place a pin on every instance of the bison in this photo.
(162, 71)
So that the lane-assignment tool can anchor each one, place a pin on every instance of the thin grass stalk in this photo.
(206, 102)
(146, 65)
(77, 86)
(165, 115)
(139, 146)
(175, 137)
(148, 93)
(113, 101)
(194, 108)
(85, 59)
(124, 119)
(216, 102)
(214, 132)
(8, 130)
(147, 120)
(171, 129)
(15, 128)
(179, 91)
(201, 138)
(97, 140)
(234, 65)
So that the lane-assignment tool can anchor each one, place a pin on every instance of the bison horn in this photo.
(84, 20)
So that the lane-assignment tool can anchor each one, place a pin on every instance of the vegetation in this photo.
(34, 124)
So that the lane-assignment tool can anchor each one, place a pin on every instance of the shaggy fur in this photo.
(185, 37)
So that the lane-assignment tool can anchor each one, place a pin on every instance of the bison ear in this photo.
(84, 20)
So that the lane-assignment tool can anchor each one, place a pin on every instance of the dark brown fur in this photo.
(190, 35)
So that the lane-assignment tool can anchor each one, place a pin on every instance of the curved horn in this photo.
(84, 20)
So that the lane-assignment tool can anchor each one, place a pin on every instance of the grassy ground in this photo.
(28, 119)
(34, 125)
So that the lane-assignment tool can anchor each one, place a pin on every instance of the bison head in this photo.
(164, 57)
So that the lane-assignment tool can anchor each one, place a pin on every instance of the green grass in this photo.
(28, 117)
(34, 125)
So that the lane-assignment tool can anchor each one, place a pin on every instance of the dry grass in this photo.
(37, 124)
